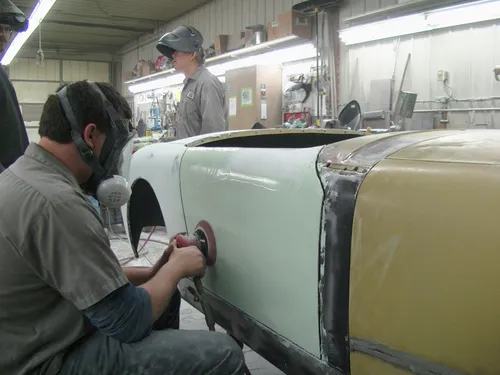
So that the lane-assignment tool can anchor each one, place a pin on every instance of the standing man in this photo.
(13, 135)
(202, 108)
(141, 128)
(66, 305)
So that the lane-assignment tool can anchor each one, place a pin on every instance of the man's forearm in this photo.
(138, 275)
(161, 288)
(161, 262)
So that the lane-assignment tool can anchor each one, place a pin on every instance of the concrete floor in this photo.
(191, 319)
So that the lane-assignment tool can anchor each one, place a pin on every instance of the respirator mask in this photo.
(108, 183)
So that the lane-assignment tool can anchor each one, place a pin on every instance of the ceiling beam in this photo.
(66, 55)
(101, 26)
(52, 45)
(403, 8)
(123, 20)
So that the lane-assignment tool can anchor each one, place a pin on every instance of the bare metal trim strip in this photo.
(400, 359)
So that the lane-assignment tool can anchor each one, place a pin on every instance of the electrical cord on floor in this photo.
(125, 261)
(148, 239)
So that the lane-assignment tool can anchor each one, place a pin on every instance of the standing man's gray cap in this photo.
(11, 15)
(182, 39)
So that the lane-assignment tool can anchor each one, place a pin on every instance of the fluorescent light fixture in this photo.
(42, 7)
(285, 55)
(175, 79)
(477, 11)
(272, 45)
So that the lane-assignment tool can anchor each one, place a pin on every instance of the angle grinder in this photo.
(204, 239)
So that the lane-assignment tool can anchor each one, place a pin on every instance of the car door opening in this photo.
(284, 139)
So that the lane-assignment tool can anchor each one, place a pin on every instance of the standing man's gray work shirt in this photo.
(55, 260)
(202, 108)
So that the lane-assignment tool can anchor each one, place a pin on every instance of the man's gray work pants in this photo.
(166, 351)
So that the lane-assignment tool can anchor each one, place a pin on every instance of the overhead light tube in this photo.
(42, 7)
(281, 56)
(478, 11)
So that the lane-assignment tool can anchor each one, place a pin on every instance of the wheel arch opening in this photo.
(143, 210)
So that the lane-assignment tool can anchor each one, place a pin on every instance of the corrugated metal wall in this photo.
(212, 19)
(354, 8)
(468, 53)
(33, 83)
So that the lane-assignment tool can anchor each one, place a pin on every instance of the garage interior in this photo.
(409, 65)
(430, 77)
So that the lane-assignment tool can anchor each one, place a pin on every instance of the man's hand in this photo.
(182, 262)
(188, 260)
(163, 259)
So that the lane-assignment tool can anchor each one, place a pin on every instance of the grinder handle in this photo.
(196, 239)
(184, 240)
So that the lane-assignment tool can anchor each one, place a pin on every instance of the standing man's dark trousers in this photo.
(167, 351)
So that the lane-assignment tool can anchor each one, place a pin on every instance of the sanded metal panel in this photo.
(365, 152)
(262, 212)
(474, 146)
(424, 262)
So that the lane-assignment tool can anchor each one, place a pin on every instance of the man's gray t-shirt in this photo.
(55, 260)
(202, 108)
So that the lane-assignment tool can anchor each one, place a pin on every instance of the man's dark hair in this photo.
(88, 107)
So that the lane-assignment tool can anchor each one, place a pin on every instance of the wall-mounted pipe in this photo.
(456, 110)
(467, 100)
(406, 8)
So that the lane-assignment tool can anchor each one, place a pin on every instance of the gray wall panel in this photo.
(468, 53)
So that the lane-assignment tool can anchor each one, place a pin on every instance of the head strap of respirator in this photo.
(107, 183)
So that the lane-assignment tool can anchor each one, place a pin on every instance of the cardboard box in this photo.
(290, 23)
(221, 44)
(143, 68)
(236, 41)
(128, 75)
(274, 31)
(254, 94)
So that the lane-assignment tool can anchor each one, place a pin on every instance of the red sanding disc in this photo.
(207, 230)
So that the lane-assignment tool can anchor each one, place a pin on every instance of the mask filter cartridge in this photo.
(114, 192)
